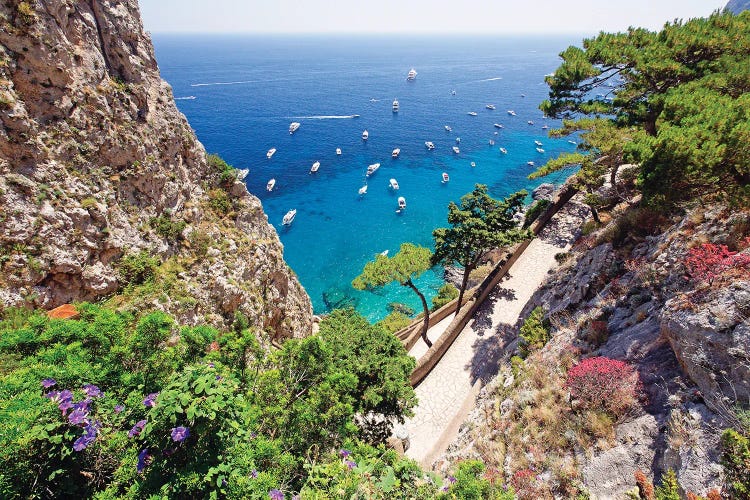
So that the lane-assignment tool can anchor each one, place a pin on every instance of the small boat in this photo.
(412, 75)
(539, 150)
(491, 143)
(456, 150)
(365, 135)
(395, 153)
(473, 164)
(573, 143)
(289, 217)
(494, 133)
(538, 143)
(545, 127)
(458, 140)
(490, 106)
(504, 151)
(511, 112)
(530, 122)
(448, 128)
(472, 113)
(372, 169)
(363, 190)
(338, 151)
(523, 95)
(395, 105)
(384, 253)
(270, 153)
(530, 163)
(270, 185)
(315, 167)
(453, 92)
(445, 177)
(429, 145)
(242, 173)
(401, 202)
(497, 125)
(293, 127)
(394, 184)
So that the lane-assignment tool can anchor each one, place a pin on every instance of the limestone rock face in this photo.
(94, 154)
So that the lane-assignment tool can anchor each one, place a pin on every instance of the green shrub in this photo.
(735, 459)
(446, 293)
(535, 211)
(137, 268)
(167, 228)
(395, 321)
(669, 488)
(220, 167)
(219, 201)
(535, 332)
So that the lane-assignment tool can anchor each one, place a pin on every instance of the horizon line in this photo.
(376, 33)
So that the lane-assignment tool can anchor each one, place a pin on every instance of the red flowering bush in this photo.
(604, 384)
(709, 261)
(524, 484)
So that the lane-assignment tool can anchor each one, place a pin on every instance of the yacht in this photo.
(530, 122)
(456, 150)
(497, 125)
(315, 167)
(412, 75)
(401, 202)
(573, 143)
(372, 169)
(458, 140)
(270, 185)
(363, 190)
(539, 150)
(293, 127)
(270, 153)
(530, 163)
(445, 177)
(473, 164)
(453, 92)
(511, 112)
(365, 135)
(394, 184)
(472, 113)
(429, 145)
(545, 127)
(395, 153)
(492, 142)
(538, 143)
(490, 106)
(448, 128)
(504, 151)
(338, 151)
(289, 217)
(395, 105)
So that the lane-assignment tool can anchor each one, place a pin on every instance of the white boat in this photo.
(490, 106)
(448, 128)
(363, 190)
(511, 112)
(456, 150)
(453, 92)
(458, 140)
(242, 173)
(372, 168)
(497, 125)
(401, 202)
(412, 75)
(473, 164)
(429, 145)
(545, 127)
(492, 143)
(293, 127)
(395, 153)
(530, 122)
(538, 143)
(315, 167)
(504, 151)
(394, 184)
(270, 153)
(289, 217)
(384, 253)
(395, 105)
(365, 135)
(573, 143)
(539, 150)
(530, 163)
(472, 113)
(338, 151)
(270, 185)
(445, 177)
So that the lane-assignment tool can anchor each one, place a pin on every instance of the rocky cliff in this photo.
(105, 192)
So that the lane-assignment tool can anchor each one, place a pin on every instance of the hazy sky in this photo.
(416, 16)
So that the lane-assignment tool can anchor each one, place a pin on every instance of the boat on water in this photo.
(530, 163)
(473, 164)
(289, 217)
(242, 173)
(538, 143)
(573, 143)
(315, 167)
(365, 135)
(545, 127)
(363, 190)
(497, 125)
(445, 177)
(412, 75)
(448, 128)
(456, 150)
(453, 92)
(338, 151)
(490, 107)
(293, 127)
(270, 153)
(472, 113)
(401, 202)
(270, 185)
(511, 112)
(429, 145)
(491, 143)
(372, 169)
(530, 122)
(504, 151)
(393, 183)
(395, 153)
(395, 105)
(458, 140)
(539, 150)
(384, 253)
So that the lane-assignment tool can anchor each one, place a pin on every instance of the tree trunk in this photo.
(595, 214)
(464, 282)
(426, 309)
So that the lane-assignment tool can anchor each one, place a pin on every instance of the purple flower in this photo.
(180, 433)
(48, 382)
(253, 474)
(150, 400)
(78, 416)
(119, 408)
(65, 406)
(451, 479)
(275, 494)
(65, 395)
(350, 464)
(211, 365)
(143, 460)
(344, 453)
(53, 395)
(82, 405)
(446, 488)
(92, 391)
(82, 442)
(218, 377)
(137, 428)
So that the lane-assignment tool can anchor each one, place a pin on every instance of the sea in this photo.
(241, 92)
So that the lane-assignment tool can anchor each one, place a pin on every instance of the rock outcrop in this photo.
(97, 164)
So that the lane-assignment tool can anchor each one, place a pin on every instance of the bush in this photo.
(446, 293)
(636, 223)
(395, 321)
(735, 459)
(535, 211)
(535, 332)
(167, 228)
(707, 262)
(219, 201)
(137, 268)
(220, 167)
(604, 384)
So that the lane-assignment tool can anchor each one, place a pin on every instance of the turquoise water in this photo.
(241, 93)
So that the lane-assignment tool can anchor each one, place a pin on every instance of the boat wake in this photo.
(187, 98)
(490, 79)
(326, 117)
(222, 83)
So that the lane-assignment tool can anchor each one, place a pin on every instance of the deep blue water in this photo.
(240, 94)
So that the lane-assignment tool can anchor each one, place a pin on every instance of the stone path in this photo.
(447, 394)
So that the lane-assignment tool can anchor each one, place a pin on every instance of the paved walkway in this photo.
(447, 394)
